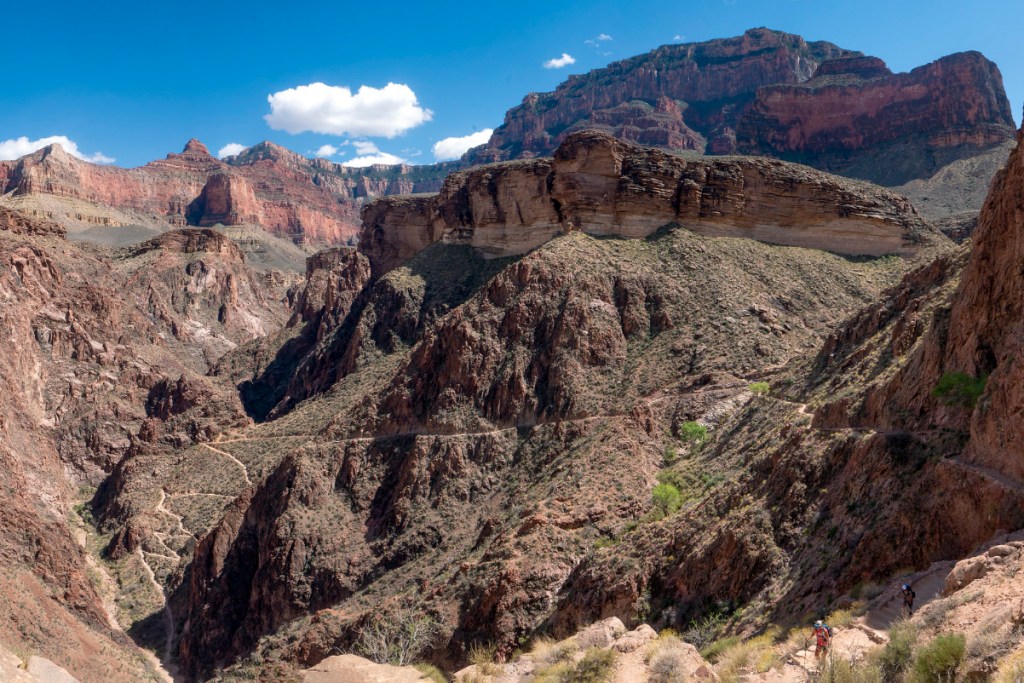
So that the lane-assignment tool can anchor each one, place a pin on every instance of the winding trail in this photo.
(168, 616)
(245, 470)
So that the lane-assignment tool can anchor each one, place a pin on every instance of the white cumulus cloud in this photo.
(601, 38)
(230, 150)
(326, 151)
(365, 147)
(453, 148)
(558, 62)
(378, 158)
(19, 147)
(334, 110)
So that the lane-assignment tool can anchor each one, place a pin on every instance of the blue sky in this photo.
(134, 81)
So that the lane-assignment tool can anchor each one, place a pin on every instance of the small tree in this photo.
(760, 388)
(397, 638)
(960, 389)
(667, 498)
(694, 432)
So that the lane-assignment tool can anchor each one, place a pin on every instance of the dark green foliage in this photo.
(694, 432)
(960, 389)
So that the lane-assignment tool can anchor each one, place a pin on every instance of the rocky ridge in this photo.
(606, 187)
(772, 93)
(303, 200)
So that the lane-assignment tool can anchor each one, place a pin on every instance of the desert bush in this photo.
(1011, 669)
(960, 389)
(702, 632)
(939, 660)
(841, 618)
(715, 650)
(760, 388)
(431, 672)
(667, 498)
(670, 455)
(899, 651)
(694, 432)
(735, 655)
(481, 655)
(839, 670)
(667, 660)
(596, 666)
(397, 638)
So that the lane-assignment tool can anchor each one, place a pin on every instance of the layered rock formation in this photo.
(856, 118)
(773, 93)
(306, 201)
(605, 187)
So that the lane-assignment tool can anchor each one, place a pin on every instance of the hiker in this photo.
(822, 635)
(908, 598)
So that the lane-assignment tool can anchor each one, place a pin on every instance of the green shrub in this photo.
(898, 652)
(939, 660)
(960, 389)
(667, 498)
(670, 455)
(715, 650)
(702, 633)
(839, 670)
(760, 388)
(431, 672)
(667, 660)
(604, 542)
(694, 432)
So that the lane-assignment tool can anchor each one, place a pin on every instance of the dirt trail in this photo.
(166, 667)
(245, 470)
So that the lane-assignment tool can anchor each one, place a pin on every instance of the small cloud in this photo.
(453, 148)
(558, 62)
(377, 158)
(19, 147)
(601, 38)
(335, 110)
(326, 151)
(678, 37)
(365, 147)
(230, 150)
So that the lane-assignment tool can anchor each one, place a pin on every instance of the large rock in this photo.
(606, 187)
(768, 92)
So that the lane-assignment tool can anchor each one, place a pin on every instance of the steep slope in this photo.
(102, 350)
(906, 452)
(773, 93)
(447, 427)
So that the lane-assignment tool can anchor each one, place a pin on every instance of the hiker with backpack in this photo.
(908, 598)
(822, 635)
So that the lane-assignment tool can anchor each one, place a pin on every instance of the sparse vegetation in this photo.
(701, 633)
(899, 651)
(732, 655)
(960, 389)
(596, 666)
(1011, 669)
(397, 638)
(481, 656)
(431, 672)
(760, 388)
(666, 659)
(840, 670)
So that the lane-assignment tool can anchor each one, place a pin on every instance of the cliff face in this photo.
(603, 186)
(307, 201)
(856, 118)
(707, 84)
(772, 93)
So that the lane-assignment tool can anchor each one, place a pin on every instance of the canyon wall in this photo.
(606, 187)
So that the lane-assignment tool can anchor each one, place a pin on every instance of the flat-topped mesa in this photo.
(604, 186)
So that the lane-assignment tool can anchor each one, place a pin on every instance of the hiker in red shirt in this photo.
(822, 634)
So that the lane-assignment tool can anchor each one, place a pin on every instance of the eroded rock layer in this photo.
(605, 187)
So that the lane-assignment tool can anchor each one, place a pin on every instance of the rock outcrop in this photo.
(856, 118)
(603, 186)
(304, 200)
(773, 93)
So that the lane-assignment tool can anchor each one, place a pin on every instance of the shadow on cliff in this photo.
(390, 314)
